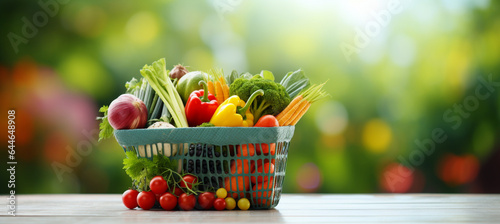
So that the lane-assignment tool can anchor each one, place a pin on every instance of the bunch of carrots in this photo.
(300, 104)
(217, 85)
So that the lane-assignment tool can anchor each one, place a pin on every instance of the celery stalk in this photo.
(157, 76)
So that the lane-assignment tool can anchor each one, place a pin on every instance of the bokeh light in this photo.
(332, 118)
(309, 178)
(377, 135)
(142, 28)
(458, 170)
(396, 178)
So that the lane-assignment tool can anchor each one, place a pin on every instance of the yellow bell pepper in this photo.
(233, 112)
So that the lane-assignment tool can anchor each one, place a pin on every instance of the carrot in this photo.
(298, 114)
(221, 79)
(262, 168)
(289, 107)
(291, 112)
(221, 89)
(235, 184)
(295, 113)
(225, 89)
(218, 92)
(211, 87)
(259, 197)
(298, 107)
(238, 182)
(245, 151)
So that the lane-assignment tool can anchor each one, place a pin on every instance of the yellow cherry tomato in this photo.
(243, 204)
(230, 203)
(221, 193)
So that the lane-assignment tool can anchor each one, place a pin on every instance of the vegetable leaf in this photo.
(133, 86)
(235, 75)
(295, 82)
(105, 129)
(267, 75)
(133, 166)
(231, 77)
(142, 170)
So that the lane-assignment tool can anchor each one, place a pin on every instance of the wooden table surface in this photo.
(293, 208)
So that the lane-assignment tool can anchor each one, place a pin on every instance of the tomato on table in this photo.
(219, 204)
(206, 200)
(187, 202)
(129, 198)
(168, 201)
(146, 200)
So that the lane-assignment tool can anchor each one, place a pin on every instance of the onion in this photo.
(127, 112)
(178, 72)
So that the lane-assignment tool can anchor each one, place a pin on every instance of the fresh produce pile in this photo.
(183, 99)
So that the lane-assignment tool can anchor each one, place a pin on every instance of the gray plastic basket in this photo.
(228, 146)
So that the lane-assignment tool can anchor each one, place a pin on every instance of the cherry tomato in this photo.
(187, 202)
(220, 204)
(221, 193)
(178, 192)
(168, 201)
(158, 185)
(146, 200)
(129, 198)
(230, 203)
(206, 200)
(243, 204)
(190, 180)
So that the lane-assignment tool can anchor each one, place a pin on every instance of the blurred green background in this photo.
(400, 72)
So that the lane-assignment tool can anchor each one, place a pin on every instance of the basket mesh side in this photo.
(232, 166)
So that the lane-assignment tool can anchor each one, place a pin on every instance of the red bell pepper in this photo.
(200, 107)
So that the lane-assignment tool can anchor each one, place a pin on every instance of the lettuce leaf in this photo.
(142, 170)
(295, 82)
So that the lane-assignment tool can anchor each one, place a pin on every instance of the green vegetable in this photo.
(295, 82)
(189, 83)
(143, 90)
(157, 76)
(105, 129)
(133, 86)
(267, 75)
(142, 170)
(234, 75)
(274, 100)
(206, 125)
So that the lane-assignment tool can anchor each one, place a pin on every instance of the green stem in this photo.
(254, 95)
(257, 113)
(204, 98)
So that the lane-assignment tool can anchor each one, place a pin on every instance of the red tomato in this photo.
(187, 202)
(129, 198)
(146, 200)
(158, 185)
(206, 200)
(168, 201)
(178, 192)
(266, 121)
(190, 180)
(220, 204)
